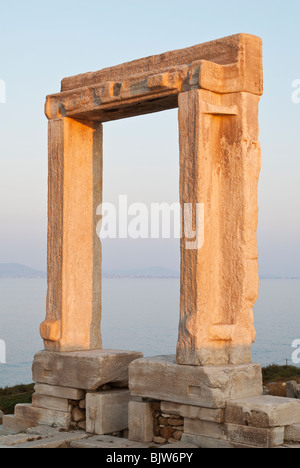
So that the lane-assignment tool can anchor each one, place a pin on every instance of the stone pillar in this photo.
(74, 251)
(219, 167)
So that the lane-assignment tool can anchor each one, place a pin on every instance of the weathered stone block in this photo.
(107, 412)
(235, 436)
(264, 411)
(10, 424)
(292, 433)
(161, 378)
(255, 436)
(78, 414)
(59, 392)
(49, 402)
(193, 412)
(205, 442)
(29, 416)
(83, 369)
(140, 421)
(292, 389)
(205, 428)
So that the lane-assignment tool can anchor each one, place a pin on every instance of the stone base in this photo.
(210, 402)
(213, 356)
(161, 378)
(63, 398)
(256, 422)
(209, 407)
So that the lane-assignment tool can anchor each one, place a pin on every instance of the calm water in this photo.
(142, 315)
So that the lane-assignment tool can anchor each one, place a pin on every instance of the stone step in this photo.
(11, 425)
(31, 416)
(263, 411)
(3, 432)
(292, 433)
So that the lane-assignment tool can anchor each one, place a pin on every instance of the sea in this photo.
(140, 314)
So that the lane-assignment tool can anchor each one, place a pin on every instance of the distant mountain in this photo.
(151, 272)
(267, 276)
(278, 277)
(160, 272)
(15, 270)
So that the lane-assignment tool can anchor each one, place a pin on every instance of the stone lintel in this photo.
(228, 65)
(86, 370)
(161, 378)
(224, 51)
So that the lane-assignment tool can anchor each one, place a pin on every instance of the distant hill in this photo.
(15, 270)
(160, 272)
(151, 272)
(274, 277)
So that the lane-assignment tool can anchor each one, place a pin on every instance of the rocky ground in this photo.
(48, 437)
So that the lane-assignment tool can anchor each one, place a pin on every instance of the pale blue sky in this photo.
(42, 42)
